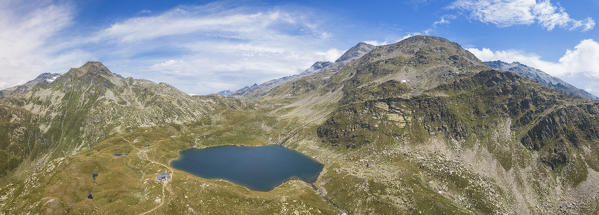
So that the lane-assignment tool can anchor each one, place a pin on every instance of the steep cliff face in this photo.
(567, 134)
(19, 137)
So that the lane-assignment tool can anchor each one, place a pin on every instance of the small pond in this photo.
(259, 168)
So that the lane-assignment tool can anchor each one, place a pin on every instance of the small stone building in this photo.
(164, 177)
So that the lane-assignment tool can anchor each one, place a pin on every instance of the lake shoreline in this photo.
(293, 158)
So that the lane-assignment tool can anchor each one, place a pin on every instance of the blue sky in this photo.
(203, 47)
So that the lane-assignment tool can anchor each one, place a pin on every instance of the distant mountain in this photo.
(225, 93)
(355, 52)
(43, 79)
(315, 67)
(258, 90)
(540, 77)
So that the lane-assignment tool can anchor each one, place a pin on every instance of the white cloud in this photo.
(409, 35)
(29, 44)
(199, 49)
(444, 20)
(579, 66)
(387, 42)
(377, 43)
(391, 41)
(180, 21)
(506, 13)
(583, 59)
(529, 59)
(330, 55)
(219, 48)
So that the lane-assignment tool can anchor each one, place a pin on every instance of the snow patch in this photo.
(50, 80)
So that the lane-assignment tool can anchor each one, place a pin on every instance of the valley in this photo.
(416, 127)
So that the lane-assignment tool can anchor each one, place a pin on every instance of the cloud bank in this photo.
(28, 37)
(506, 13)
(223, 48)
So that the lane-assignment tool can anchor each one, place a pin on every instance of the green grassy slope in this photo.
(416, 127)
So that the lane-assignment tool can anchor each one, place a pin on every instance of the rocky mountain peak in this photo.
(316, 66)
(93, 72)
(497, 64)
(320, 64)
(262, 89)
(94, 67)
(47, 77)
(420, 63)
(540, 77)
(42, 79)
(427, 50)
(355, 52)
(433, 45)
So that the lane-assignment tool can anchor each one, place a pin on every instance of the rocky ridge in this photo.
(259, 90)
(43, 79)
(540, 77)
(416, 127)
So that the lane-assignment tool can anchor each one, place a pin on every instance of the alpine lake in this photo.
(260, 168)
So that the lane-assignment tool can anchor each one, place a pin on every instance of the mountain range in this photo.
(540, 77)
(259, 90)
(43, 79)
(420, 126)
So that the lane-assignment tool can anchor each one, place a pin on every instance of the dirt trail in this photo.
(343, 211)
(143, 154)
(295, 131)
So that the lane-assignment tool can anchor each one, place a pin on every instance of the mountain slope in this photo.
(430, 103)
(493, 129)
(87, 104)
(540, 77)
(261, 89)
(416, 127)
(256, 90)
(416, 64)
